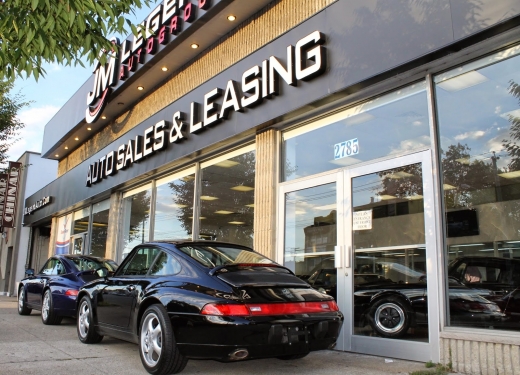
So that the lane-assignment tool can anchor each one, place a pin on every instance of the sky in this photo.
(48, 95)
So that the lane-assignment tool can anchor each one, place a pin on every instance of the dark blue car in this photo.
(54, 289)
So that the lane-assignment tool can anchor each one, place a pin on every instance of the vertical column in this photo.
(266, 178)
(52, 241)
(113, 227)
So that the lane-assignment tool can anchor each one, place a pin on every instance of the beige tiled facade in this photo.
(252, 34)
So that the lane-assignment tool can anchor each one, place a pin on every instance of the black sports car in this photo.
(54, 289)
(392, 307)
(208, 300)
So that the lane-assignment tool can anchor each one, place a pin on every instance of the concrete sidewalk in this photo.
(29, 347)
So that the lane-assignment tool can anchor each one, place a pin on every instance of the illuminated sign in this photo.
(37, 205)
(305, 60)
(165, 21)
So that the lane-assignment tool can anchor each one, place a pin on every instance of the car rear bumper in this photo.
(211, 337)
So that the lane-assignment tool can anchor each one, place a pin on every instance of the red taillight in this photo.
(259, 309)
(224, 310)
(71, 292)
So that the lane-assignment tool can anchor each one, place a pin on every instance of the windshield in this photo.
(213, 256)
(86, 264)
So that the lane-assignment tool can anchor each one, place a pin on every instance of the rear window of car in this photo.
(213, 256)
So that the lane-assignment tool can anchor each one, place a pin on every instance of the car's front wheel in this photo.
(85, 323)
(22, 305)
(157, 347)
(390, 317)
(49, 316)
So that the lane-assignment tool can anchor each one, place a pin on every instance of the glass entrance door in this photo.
(78, 243)
(388, 257)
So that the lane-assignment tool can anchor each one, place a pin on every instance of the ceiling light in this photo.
(399, 175)
(463, 81)
(89, 128)
(386, 197)
(448, 187)
(414, 197)
(514, 174)
(76, 139)
(104, 117)
(207, 198)
(252, 205)
(463, 160)
(56, 155)
(226, 163)
(66, 147)
(224, 212)
(242, 188)
(194, 45)
(140, 88)
(236, 222)
(231, 17)
(164, 69)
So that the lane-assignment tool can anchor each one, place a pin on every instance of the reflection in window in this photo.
(389, 267)
(98, 243)
(479, 122)
(227, 198)
(136, 218)
(387, 125)
(310, 229)
(174, 207)
(81, 219)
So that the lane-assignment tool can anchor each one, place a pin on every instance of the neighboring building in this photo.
(23, 247)
(383, 133)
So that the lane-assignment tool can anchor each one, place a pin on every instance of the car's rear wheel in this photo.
(85, 323)
(157, 347)
(22, 305)
(49, 316)
(390, 317)
(291, 357)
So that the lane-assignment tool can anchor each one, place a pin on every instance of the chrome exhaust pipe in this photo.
(238, 354)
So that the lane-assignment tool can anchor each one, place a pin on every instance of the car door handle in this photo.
(130, 288)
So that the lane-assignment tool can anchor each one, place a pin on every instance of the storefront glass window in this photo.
(136, 218)
(98, 242)
(227, 197)
(174, 206)
(81, 219)
(311, 234)
(387, 125)
(479, 121)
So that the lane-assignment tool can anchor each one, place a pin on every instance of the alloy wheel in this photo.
(46, 306)
(389, 317)
(84, 319)
(151, 339)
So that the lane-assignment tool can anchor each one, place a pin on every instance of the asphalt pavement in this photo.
(28, 347)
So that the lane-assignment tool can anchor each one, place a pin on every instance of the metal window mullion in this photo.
(153, 197)
(195, 226)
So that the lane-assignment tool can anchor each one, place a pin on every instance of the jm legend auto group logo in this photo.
(163, 22)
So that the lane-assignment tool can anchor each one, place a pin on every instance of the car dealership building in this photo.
(380, 135)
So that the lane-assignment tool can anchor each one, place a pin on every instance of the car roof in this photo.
(196, 242)
(76, 256)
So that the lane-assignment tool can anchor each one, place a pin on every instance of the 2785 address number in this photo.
(346, 149)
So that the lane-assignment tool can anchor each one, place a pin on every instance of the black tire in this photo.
(22, 303)
(87, 333)
(291, 357)
(157, 347)
(49, 316)
(390, 317)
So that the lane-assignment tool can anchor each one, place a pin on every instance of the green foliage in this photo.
(33, 32)
(429, 364)
(10, 125)
(434, 369)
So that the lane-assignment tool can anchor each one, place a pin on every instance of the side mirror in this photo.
(102, 271)
(29, 272)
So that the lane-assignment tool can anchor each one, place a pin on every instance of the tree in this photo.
(33, 32)
(511, 145)
(10, 125)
